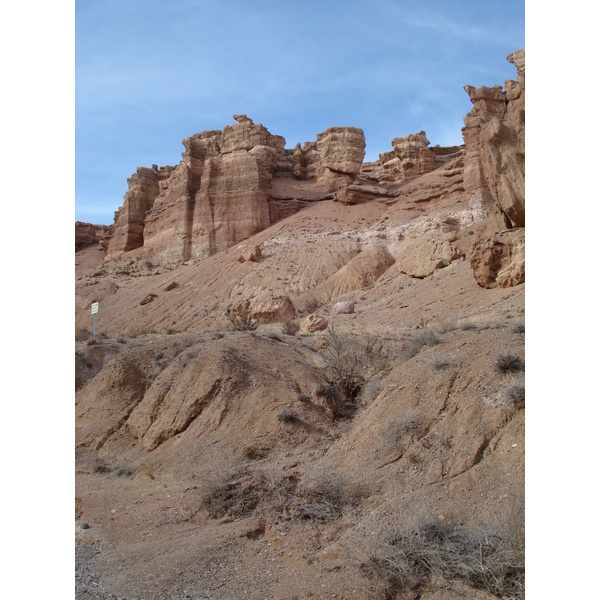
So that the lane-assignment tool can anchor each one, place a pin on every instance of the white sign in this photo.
(94, 308)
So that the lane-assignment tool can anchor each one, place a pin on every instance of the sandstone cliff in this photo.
(234, 183)
(494, 176)
(87, 234)
(222, 191)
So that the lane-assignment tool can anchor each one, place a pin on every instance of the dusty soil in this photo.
(208, 461)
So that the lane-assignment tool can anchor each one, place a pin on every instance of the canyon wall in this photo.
(235, 182)
(494, 177)
(221, 192)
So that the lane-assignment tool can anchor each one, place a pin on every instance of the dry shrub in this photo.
(423, 337)
(288, 415)
(266, 491)
(137, 330)
(509, 361)
(396, 430)
(513, 393)
(290, 326)
(398, 559)
(438, 361)
(350, 360)
(241, 317)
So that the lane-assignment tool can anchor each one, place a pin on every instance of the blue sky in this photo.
(149, 73)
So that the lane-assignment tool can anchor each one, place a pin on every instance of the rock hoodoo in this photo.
(494, 176)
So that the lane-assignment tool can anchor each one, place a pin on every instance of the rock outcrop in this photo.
(233, 183)
(411, 156)
(130, 219)
(87, 234)
(499, 260)
(494, 176)
(221, 193)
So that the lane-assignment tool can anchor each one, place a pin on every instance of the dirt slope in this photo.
(215, 463)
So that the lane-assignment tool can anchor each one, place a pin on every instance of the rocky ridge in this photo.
(234, 183)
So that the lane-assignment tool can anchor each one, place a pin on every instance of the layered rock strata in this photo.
(222, 192)
(494, 177)
(87, 234)
(494, 135)
(411, 157)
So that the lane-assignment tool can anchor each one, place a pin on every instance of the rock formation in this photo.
(87, 234)
(221, 192)
(411, 156)
(494, 175)
(234, 183)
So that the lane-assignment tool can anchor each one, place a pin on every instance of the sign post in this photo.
(94, 312)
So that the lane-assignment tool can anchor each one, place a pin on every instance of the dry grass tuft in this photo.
(402, 559)
(508, 362)
(290, 327)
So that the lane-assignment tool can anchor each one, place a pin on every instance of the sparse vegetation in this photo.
(290, 327)
(241, 317)
(137, 330)
(508, 362)
(317, 494)
(93, 341)
(438, 361)
(519, 328)
(401, 559)
(396, 429)
(288, 415)
(423, 337)
(514, 393)
(351, 360)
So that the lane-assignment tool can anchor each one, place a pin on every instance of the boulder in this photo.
(343, 308)
(426, 255)
(276, 310)
(499, 260)
(313, 323)
(249, 254)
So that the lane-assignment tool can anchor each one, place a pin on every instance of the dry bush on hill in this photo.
(350, 360)
(514, 393)
(266, 491)
(290, 327)
(423, 337)
(397, 429)
(288, 416)
(406, 558)
(509, 361)
(437, 361)
(241, 317)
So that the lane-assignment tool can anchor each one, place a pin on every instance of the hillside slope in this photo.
(380, 456)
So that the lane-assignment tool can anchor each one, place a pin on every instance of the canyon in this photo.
(308, 374)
